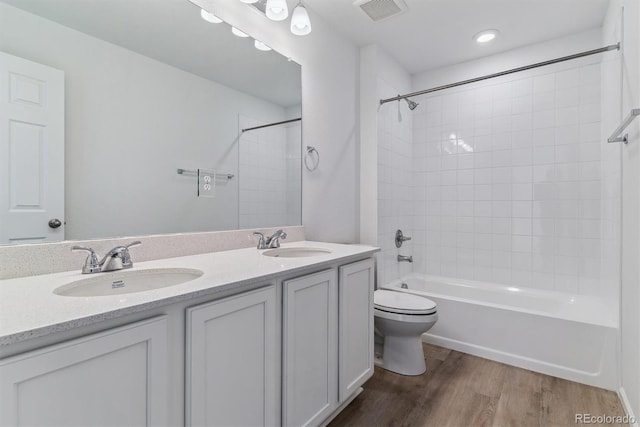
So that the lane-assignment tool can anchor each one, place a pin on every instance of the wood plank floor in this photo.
(463, 390)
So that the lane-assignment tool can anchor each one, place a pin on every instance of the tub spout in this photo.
(402, 258)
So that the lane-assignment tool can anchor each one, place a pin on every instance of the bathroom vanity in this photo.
(254, 340)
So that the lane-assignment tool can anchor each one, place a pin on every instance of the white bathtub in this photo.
(571, 337)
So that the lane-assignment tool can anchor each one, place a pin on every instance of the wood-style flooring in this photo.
(463, 390)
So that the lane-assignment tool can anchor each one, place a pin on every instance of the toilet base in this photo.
(403, 355)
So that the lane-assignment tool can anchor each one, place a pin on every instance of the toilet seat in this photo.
(402, 303)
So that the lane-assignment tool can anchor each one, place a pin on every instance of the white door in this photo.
(232, 368)
(113, 378)
(310, 349)
(31, 151)
(356, 326)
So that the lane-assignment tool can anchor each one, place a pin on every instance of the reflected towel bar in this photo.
(615, 136)
(195, 173)
(271, 124)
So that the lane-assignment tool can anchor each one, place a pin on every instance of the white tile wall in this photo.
(267, 164)
(611, 156)
(507, 181)
(294, 174)
(395, 185)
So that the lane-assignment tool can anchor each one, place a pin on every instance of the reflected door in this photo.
(31, 151)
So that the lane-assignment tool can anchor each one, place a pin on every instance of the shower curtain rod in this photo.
(504, 73)
(272, 124)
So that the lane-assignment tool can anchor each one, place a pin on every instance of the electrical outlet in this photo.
(206, 183)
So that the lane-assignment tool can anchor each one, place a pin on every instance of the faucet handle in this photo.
(82, 249)
(261, 241)
(133, 244)
(126, 256)
(274, 240)
(91, 264)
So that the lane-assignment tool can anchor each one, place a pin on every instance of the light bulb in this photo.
(209, 17)
(261, 46)
(300, 22)
(277, 10)
(237, 32)
(249, 1)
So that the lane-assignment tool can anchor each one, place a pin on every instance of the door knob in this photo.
(55, 223)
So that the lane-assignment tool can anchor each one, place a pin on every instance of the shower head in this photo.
(412, 104)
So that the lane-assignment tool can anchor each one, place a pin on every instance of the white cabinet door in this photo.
(31, 151)
(355, 326)
(310, 355)
(115, 378)
(231, 361)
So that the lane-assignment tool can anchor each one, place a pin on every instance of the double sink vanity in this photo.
(202, 329)
(278, 336)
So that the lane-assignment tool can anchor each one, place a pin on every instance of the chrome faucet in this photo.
(270, 242)
(117, 258)
(402, 258)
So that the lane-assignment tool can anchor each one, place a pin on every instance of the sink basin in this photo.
(295, 252)
(127, 282)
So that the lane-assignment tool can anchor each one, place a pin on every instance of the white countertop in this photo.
(30, 309)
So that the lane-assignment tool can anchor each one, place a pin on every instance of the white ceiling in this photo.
(435, 33)
(172, 32)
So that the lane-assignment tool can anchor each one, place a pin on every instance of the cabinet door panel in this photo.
(356, 326)
(232, 361)
(310, 349)
(116, 378)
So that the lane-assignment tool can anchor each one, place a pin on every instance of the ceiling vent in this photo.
(379, 10)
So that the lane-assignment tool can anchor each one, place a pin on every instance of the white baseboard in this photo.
(627, 407)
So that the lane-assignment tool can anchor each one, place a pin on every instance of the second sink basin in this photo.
(127, 281)
(301, 252)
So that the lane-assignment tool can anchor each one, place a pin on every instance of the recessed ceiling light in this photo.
(485, 36)
(238, 33)
(209, 17)
(261, 46)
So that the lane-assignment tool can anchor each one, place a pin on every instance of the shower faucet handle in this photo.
(401, 238)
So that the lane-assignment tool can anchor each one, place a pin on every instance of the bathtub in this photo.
(566, 336)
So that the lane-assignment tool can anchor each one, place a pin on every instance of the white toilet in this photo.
(401, 318)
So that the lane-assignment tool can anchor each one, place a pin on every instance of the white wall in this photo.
(329, 88)
(624, 81)
(386, 188)
(129, 118)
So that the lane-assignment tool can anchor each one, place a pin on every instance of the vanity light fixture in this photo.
(249, 1)
(485, 36)
(261, 46)
(300, 22)
(277, 10)
(209, 17)
(237, 32)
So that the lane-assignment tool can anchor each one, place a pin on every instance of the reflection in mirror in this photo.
(109, 98)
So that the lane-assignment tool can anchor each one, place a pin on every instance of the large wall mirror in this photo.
(134, 117)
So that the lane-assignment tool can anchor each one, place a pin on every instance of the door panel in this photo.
(31, 151)
(232, 361)
(116, 378)
(310, 389)
(356, 326)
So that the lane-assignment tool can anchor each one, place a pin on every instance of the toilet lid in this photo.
(402, 302)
